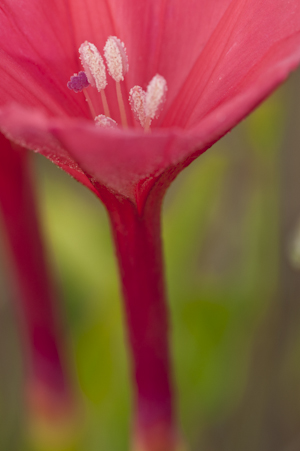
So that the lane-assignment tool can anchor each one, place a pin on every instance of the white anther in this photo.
(93, 65)
(137, 100)
(155, 96)
(116, 58)
(105, 122)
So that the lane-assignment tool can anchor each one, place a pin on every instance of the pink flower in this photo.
(220, 59)
(35, 298)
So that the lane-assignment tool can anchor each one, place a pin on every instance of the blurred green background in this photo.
(231, 229)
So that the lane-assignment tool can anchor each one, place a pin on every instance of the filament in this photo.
(104, 103)
(121, 105)
(90, 104)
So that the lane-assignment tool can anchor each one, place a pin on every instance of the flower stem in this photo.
(139, 252)
(47, 385)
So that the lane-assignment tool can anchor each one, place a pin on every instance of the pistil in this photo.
(79, 83)
(90, 104)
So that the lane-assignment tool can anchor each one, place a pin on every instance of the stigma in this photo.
(78, 82)
(145, 105)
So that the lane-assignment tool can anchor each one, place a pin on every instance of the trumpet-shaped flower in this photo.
(218, 58)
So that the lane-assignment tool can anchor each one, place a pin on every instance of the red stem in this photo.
(35, 297)
(139, 251)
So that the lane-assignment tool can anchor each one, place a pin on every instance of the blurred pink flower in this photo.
(220, 59)
(47, 385)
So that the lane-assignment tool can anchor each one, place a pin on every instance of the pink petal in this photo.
(28, 128)
(37, 56)
(203, 48)
(247, 36)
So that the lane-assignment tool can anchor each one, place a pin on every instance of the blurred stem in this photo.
(139, 251)
(46, 381)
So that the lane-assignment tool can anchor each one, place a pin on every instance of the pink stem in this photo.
(139, 251)
(35, 298)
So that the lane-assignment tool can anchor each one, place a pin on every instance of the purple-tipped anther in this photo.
(78, 82)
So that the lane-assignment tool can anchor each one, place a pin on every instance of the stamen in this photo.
(105, 122)
(116, 58)
(78, 82)
(155, 96)
(93, 65)
(147, 105)
(137, 100)
(117, 64)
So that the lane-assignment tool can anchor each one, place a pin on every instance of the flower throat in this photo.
(146, 105)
